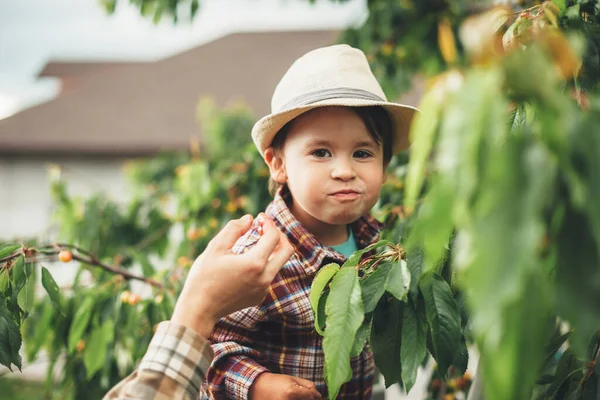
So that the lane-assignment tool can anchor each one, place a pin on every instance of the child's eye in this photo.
(321, 153)
(362, 154)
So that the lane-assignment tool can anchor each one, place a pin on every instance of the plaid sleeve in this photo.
(237, 362)
(173, 367)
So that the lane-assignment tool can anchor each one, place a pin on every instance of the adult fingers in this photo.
(226, 238)
(266, 244)
(279, 257)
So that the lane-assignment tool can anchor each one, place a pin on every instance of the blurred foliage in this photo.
(505, 157)
(174, 10)
(159, 9)
(407, 37)
(496, 207)
(16, 389)
(103, 322)
(501, 197)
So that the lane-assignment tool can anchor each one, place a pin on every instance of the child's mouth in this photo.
(346, 195)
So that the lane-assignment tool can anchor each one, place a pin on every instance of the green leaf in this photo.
(589, 391)
(10, 337)
(567, 364)
(545, 379)
(345, 314)
(194, 6)
(461, 357)
(39, 324)
(398, 281)
(158, 14)
(578, 280)
(414, 262)
(373, 286)
(392, 277)
(8, 249)
(433, 227)
(422, 135)
(23, 284)
(96, 347)
(109, 5)
(52, 289)
(496, 254)
(320, 316)
(461, 142)
(554, 345)
(26, 296)
(354, 259)
(19, 275)
(443, 318)
(512, 351)
(4, 280)
(362, 335)
(80, 322)
(195, 186)
(386, 336)
(319, 284)
(578, 241)
(587, 152)
(414, 343)
(560, 4)
(572, 394)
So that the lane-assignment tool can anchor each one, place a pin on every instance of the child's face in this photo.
(332, 166)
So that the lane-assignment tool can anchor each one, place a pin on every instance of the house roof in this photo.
(71, 69)
(139, 109)
(132, 109)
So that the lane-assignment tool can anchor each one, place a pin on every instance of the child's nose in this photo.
(343, 170)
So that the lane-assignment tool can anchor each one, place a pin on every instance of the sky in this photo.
(33, 32)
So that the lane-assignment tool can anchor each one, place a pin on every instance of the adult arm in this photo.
(219, 283)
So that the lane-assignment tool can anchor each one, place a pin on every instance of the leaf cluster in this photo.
(370, 299)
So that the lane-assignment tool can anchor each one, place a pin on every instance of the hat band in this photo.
(328, 94)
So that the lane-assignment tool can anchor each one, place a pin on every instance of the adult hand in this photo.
(221, 282)
(283, 387)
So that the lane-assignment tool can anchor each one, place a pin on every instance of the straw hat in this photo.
(330, 76)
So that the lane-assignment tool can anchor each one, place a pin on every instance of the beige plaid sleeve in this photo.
(173, 367)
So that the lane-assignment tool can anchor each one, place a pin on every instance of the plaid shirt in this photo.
(173, 367)
(278, 336)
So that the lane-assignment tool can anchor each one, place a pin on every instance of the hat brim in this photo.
(401, 116)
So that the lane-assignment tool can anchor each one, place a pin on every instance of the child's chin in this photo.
(343, 219)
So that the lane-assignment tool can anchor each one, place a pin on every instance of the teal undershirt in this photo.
(348, 247)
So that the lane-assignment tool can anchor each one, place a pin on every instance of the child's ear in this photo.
(276, 165)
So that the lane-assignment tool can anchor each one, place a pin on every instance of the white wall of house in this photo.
(25, 202)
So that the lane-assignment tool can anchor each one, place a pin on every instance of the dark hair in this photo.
(376, 120)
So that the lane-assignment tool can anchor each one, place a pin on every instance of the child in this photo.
(327, 143)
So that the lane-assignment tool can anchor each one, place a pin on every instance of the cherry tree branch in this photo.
(78, 254)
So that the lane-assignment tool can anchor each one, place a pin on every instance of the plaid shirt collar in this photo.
(312, 253)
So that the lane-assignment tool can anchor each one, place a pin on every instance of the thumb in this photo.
(231, 232)
(267, 243)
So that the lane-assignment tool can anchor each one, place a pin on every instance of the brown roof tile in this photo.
(140, 109)
(70, 69)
